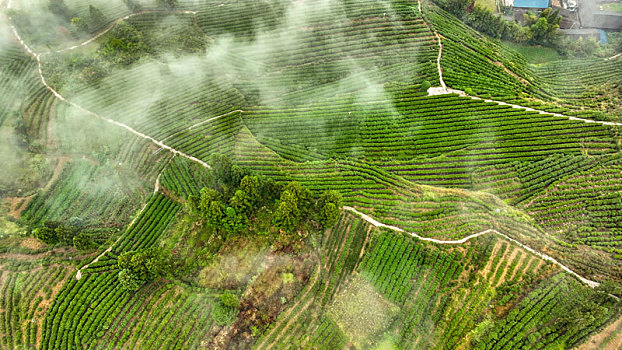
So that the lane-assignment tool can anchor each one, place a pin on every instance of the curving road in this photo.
(194, 159)
(62, 98)
(376, 223)
(115, 22)
(443, 89)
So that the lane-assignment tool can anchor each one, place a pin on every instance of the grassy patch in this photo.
(535, 54)
(386, 343)
(613, 6)
(237, 262)
(491, 4)
(361, 312)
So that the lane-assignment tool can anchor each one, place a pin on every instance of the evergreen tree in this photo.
(46, 235)
(329, 206)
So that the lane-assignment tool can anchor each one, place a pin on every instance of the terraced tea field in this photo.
(330, 174)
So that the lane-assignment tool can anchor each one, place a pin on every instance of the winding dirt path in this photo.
(467, 238)
(114, 23)
(62, 98)
(130, 129)
(109, 249)
(438, 61)
(613, 57)
(443, 89)
(364, 216)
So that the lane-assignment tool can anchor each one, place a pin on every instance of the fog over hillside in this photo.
(308, 174)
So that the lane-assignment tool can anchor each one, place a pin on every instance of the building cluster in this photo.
(580, 18)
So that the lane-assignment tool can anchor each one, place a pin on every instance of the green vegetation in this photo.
(139, 267)
(181, 181)
(226, 309)
(23, 296)
(361, 312)
(540, 28)
(612, 6)
(535, 54)
(443, 297)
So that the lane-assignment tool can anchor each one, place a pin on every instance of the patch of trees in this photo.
(578, 47)
(125, 45)
(225, 309)
(142, 266)
(73, 232)
(539, 29)
(59, 8)
(53, 232)
(132, 5)
(543, 26)
(170, 4)
(236, 197)
(95, 20)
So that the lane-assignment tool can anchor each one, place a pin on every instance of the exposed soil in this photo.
(286, 315)
(609, 338)
(57, 171)
(45, 305)
(517, 269)
(32, 244)
(521, 79)
(30, 257)
(495, 250)
(16, 205)
(508, 257)
(262, 302)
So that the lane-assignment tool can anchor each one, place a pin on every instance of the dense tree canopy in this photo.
(229, 207)
(543, 26)
(293, 205)
(328, 208)
(142, 266)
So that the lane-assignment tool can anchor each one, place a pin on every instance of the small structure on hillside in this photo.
(570, 5)
(581, 33)
(521, 7)
(570, 18)
(607, 20)
(532, 4)
(593, 17)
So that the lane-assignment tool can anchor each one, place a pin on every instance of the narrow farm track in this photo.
(443, 89)
(437, 91)
(115, 22)
(109, 249)
(543, 256)
(286, 315)
(364, 216)
(62, 98)
(438, 61)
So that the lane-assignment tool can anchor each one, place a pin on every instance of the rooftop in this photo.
(538, 4)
